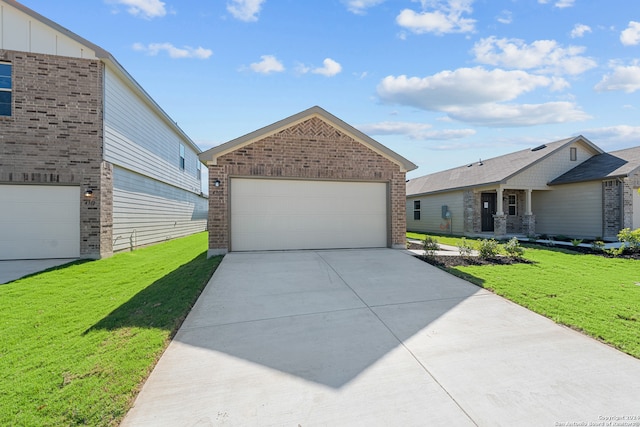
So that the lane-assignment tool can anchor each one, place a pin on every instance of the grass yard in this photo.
(76, 342)
(596, 295)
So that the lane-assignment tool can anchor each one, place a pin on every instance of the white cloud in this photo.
(625, 78)
(268, 65)
(478, 96)
(624, 134)
(445, 17)
(511, 115)
(564, 3)
(154, 49)
(542, 55)
(631, 36)
(464, 86)
(505, 17)
(245, 10)
(560, 3)
(416, 131)
(329, 69)
(579, 30)
(359, 7)
(144, 8)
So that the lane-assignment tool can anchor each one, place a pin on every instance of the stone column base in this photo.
(500, 225)
(529, 225)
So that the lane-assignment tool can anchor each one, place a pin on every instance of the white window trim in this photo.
(514, 204)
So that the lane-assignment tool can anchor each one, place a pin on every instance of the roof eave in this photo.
(460, 188)
(569, 142)
(212, 154)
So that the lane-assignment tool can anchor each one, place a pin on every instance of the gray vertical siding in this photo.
(148, 211)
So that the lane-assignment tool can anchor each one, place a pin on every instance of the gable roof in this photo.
(212, 154)
(108, 60)
(491, 171)
(616, 164)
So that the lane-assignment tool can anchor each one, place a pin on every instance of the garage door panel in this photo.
(39, 222)
(286, 214)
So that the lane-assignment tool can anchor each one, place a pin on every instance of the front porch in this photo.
(499, 212)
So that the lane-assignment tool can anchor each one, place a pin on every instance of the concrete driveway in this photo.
(375, 337)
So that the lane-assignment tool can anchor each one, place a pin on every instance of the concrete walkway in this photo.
(11, 270)
(374, 338)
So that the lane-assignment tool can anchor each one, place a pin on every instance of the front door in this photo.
(488, 202)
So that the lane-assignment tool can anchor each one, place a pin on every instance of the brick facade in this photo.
(54, 136)
(611, 198)
(312, 149)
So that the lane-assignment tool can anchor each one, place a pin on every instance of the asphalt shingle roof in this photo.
(619, 163)
(488, 171)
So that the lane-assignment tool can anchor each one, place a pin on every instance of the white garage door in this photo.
(271, 214)
(38, 221)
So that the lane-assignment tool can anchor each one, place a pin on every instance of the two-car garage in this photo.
(39, 221)
(276, 214)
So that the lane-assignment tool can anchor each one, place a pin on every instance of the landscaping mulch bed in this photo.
(447, 261)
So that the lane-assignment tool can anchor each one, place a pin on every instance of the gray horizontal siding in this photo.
(573, 210)
(147, 211)
(431, 213)
(138, 139)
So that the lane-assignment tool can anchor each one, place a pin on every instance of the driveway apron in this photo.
(375, 337)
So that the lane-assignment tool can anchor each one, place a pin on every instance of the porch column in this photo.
(529, 220)
(499, 219)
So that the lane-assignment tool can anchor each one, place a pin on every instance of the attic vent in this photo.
(539, 147)
(469, 165)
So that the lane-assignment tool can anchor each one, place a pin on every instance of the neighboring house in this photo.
(89, 163)
(568, 187)
(310, 181)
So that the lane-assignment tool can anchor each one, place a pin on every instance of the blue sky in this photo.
(441, 82)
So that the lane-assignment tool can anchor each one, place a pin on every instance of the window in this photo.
(416, 210)
(573, 154)
(512, 204)
(5, 89)
(199, 167)
(182, 162)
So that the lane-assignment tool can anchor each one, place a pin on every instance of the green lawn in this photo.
(445, 240)
(76, 342)
(596, 295)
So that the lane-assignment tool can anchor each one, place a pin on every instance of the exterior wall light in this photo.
(216, 183)
(88, 193)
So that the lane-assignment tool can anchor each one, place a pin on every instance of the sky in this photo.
(441, 82)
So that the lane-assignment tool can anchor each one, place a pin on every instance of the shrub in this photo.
(488, 248)
(430, 246)
(576, 242)
(614, 252)
(464, 248)
(630, 239)
(597, 245)
(513, 249)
